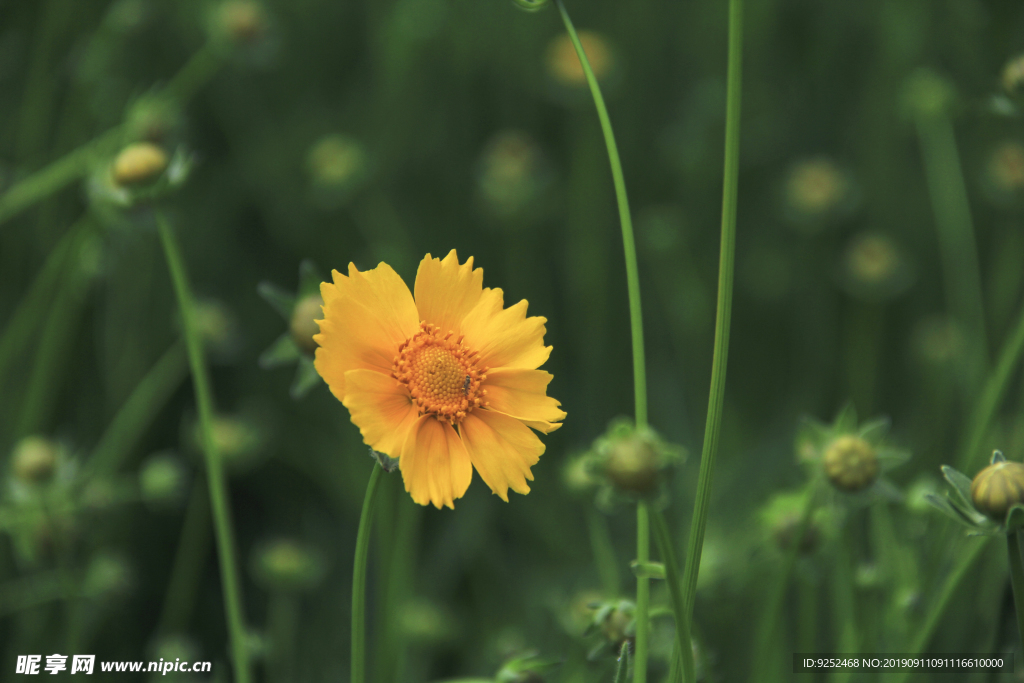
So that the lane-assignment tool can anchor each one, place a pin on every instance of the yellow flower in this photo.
(444, 383)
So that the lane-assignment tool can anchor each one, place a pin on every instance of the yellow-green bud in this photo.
(243, 20)
(138, 164)
(161, 479)
(998, 487)
(633, 465)
(564, 65)
(1013, 75)
(287, 565)
(303, 325)
(34, 460)
(851, 463)
(616, 625)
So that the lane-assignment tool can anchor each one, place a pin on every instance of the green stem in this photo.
(214, 469)
(24, 322)
(282, 621)
(948, 193)
(723, 316)
(359, 581)
(683, 642)
(1017, 579)
(938, 606)
(196, 73)
(636, 322)
(643, 593)
(768, 626)
(55, 340)
(138, 412)
(637, 328)
(991, 394)
(604, 552)
(189, 561)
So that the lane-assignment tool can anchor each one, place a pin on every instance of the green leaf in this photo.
(622, 671)
(648, 570)
(873, 431)
(961, 485)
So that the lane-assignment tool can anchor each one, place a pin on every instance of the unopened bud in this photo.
(34, 460)
(303, 322)
(998, 487)
(138, 164)
(851, 463)
(243, 21)
(287, 565)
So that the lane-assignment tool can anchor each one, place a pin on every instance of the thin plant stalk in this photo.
(991, 394)
(1017, 579)
(948, 192)
(189, 561)
(359, 580)
(214, 468)
(727, 256)
(684, 645)
(604, 552)
(138, 411)
(637, 330)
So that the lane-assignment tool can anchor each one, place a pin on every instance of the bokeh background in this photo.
(381, 131)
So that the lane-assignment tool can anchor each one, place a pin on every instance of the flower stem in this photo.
(636, 325)
(991, 394)
(724, 313)
(684, 645)
(643, 593)
(359, 581)
(214, 470)
(189, 560)
(628, 243)
(1017, 579)
(604, 552)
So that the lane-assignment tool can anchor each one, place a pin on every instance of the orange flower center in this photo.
(441, 374)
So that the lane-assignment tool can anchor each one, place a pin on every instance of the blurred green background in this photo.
(362, 132)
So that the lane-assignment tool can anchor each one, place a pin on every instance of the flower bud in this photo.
(243, 21)
(139, 163)
(107, 575)
(998, 487)
(336, 161)
(564, 64)
(303, 326)
(34, 460)
(162, 479)
(1013, 75)
(632, 465)
(851, 463)
(287, 565)
(816, 187)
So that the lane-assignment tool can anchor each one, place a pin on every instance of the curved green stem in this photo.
(683, 643)
(214, 468)
(991, 394)
(637, 328)
(604, 552)
(1017, 579)
(727, 257)
(636, 322)
(359, 580)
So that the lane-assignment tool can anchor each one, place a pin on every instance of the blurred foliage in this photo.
(385, 130)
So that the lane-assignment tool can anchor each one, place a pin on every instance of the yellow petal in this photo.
(435, 466)
(381, 408)
(521, 394)
(366, 317)
(447, 291)
(502, 450)
(505, 338)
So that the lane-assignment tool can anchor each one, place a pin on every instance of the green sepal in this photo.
(309, 279)
(1014, 519)
(873, 431)
(306, 377)
(387, 463)
(530, 5)
(281, 352)
(280, 300)
(997, 456)
(961, 485)
(622, 671)
(846, 420)
(892, 457)
(954, 512)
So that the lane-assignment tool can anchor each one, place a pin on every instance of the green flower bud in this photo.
(816, 187)
(35, 460)
(162, 479)
(851, 463)
(287, 565)
(424, 621)
(243, 21)
(107, 575)
(1013, 75)
(564, 64)
(335, 161)
(303, 325)
(139, 164)
(632, 465)
(997, 488)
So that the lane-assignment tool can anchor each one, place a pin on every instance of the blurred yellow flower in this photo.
(444, 382)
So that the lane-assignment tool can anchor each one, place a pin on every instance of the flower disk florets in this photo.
(851, 463)
(441, 374)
